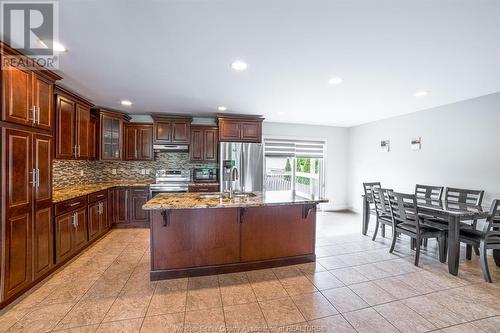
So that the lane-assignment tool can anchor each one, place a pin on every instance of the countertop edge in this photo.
(152, 207)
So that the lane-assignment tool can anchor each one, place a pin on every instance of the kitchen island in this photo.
(200, 234)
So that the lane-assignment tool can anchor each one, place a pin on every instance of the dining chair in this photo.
(368, 187)
(380, 200)
(405, 220)
(429, 192)
(487, 238)
(471, 197)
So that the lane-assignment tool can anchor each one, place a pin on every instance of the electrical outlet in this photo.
(143, 171)
(113, 171)
(81, 172)
(148, 171)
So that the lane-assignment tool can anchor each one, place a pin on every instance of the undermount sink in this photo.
(226, 195)
(211, 196)
(244, 194)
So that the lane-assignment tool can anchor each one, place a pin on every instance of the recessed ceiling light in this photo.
(58, 47)
(420, 93)
(126, 102)
(281, 113)
(335, 80)
(239, 65)
(221, 108)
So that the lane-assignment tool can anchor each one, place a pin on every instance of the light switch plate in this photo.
(113, 171)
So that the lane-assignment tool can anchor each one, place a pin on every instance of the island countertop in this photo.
(196, 201)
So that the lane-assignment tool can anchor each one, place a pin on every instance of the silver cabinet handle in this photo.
(33, 178)
(33, 113)
(74, 220)
(74, 204)
(37, 178)
(79, 154)
(37, 114)
(77, 222)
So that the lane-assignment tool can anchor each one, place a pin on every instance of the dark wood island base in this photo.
(205, 241)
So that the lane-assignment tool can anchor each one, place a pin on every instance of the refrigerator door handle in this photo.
(242, 166)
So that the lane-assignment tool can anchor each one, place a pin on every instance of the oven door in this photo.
(155, 189)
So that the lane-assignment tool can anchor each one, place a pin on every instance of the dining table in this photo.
(454, 213)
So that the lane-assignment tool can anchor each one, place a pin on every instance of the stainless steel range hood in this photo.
(171, 148)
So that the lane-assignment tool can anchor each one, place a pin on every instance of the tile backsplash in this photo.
(68, 172)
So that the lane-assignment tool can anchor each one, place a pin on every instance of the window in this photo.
(295, 165)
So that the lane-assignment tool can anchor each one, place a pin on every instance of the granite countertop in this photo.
(194, 201)
(76, 191)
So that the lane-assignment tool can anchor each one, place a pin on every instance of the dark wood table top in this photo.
(448, 208)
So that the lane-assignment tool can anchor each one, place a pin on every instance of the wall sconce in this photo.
(416, 143)
(385, 145)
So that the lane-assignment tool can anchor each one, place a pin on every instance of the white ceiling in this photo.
(174, 56)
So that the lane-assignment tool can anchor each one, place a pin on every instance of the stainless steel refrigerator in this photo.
(249, 160)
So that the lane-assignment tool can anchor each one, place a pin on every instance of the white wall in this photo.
(336, 159)
(460, 148)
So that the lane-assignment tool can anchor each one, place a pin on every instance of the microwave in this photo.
(205, 175)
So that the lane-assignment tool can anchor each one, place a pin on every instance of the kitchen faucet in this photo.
(234, 175)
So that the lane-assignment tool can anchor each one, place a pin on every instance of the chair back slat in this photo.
(368, 187)
(471, 197)
(381, 200)
(429, 192)
(403, 208)
(492, 225)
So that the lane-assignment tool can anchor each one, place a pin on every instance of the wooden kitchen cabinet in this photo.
(194, 237)
(71, 233)
(92, 141)
(43, 242)
(203, 188)
(122, 205)
(274, 232)
(98, 219)
(27, 97)
(72, 126)
(171, 129)
(110, 134)
(204, 143)
(138, 142)
(240, 129)
(139, 196)
(27, 163)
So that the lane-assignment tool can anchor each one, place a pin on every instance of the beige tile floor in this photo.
(355, 286)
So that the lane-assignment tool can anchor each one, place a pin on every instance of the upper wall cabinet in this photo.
(72, 125)
(240, 128)
(27, 96)
(171, 129)
(138, 142)
(110, 131)
(204, 141)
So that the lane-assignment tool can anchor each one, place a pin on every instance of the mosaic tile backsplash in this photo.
(67, 173)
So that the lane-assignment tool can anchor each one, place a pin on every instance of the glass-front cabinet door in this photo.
(111, 138)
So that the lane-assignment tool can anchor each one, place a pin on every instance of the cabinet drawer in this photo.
(139, 190)
(101, 195)
(203, 188)
(69, 205)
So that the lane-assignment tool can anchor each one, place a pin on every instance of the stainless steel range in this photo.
(170, 181)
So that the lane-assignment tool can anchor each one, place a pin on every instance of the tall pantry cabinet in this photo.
(27, 123)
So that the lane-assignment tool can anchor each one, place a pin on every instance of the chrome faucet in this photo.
(234, 175)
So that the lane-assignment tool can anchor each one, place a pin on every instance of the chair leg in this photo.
(383, 230)
(393, 244)
(483, 258)
(442, 249)
(468, 252)
(412, 243)
(425, 242)
(476, 250)
(376, 229)
(417, 251)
